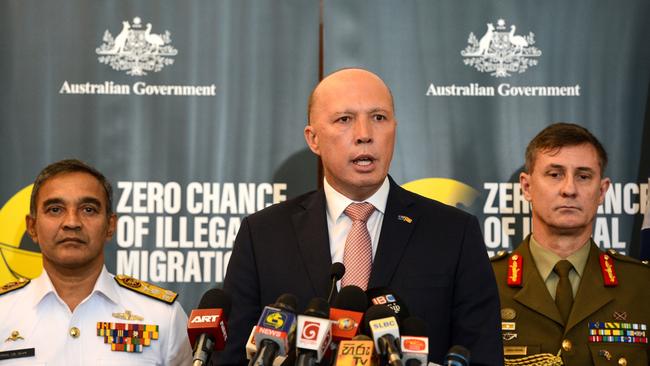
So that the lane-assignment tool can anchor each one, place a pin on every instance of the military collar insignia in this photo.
(515, 270)
(607, 270)
(146, 288)
(15, 285)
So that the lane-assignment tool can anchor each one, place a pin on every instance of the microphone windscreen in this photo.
(373, 313)
(388, 297)
(351, 298)
(318, 307)
(216, 298)
(337, 270)
(287, 302)
(414, 326)
(459, 354)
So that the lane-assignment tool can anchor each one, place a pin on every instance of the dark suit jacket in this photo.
(538, 324)
(437, 264)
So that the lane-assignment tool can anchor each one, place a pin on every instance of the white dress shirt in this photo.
(44, 321)
(339, 224)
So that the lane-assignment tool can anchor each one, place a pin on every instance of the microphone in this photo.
(388, 297)
(347, 312)
(314, 333)
(415, 345)
(337, 270)
(457, 356)
(384, 328)
(206, 326)
(358, 351)
(275, 330)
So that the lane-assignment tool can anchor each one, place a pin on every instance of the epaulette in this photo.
(15, 285)
(500, 255)
(146, 288)
(626, 258)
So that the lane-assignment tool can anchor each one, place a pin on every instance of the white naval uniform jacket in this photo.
(45, 321)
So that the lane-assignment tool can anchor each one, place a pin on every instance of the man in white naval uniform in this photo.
(76, 312)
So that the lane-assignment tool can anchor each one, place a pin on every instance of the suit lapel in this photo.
(534, 294)
(310, 225)
(394, 236)
(592, 294)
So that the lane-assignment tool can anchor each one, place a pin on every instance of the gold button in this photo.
(566, 345)
(622, 361)
(74, 332)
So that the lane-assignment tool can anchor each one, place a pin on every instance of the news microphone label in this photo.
(385, 323)
(205, 319)
(413, 344)
(310, 331)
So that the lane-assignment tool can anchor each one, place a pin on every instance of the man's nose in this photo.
(568, 186)
(71, 220)
(363, 130)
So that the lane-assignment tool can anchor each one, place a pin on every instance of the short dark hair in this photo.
(559, 135)
(70, 166)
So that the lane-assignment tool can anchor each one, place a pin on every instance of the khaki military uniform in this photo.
(607, 324)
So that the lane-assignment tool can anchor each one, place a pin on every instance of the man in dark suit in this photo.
(431, 255)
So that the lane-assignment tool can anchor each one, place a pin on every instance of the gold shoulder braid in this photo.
(540, 359)
(11, 286)
(146, 288)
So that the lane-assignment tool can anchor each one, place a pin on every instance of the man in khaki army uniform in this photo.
(76, 312)
(564, 301)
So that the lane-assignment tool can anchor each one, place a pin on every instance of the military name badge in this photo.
(515, 267)
(146, 288)
(607, 269)
(127, 337)
(616, 332)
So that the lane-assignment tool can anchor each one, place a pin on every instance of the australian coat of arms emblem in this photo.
(501, 52)
(136, 49)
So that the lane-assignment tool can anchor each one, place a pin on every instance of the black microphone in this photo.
(457, 356)
(206, 327)
(314, 333)
(414, 342)
(275, 331)
(388, 297)
(337, 270)
(383, 327)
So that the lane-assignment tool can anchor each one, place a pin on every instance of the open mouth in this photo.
(363, 160)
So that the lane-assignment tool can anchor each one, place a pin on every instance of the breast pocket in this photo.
(614, 353)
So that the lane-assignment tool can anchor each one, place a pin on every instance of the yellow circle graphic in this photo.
(16, 262)
(447, 191)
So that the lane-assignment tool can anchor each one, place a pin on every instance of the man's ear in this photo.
(30, 223)
(112, 224)
(311, 137)
(524, 181)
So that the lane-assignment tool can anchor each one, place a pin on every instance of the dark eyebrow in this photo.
(52, 201)
(84, 200)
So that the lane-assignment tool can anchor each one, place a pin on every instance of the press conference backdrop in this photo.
(195, 111)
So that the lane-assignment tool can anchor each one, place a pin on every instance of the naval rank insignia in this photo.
(126, 337)
(145, 288)
(11, 286)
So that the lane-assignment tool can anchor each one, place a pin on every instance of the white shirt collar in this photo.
(337, 202)
(42, 286)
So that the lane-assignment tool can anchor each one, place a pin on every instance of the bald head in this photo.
(341, 79)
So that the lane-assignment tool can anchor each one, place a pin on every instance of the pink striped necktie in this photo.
(357, 256)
